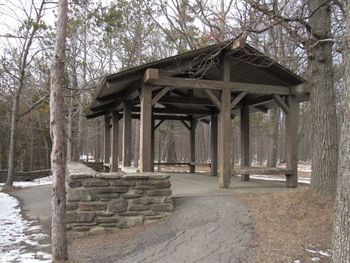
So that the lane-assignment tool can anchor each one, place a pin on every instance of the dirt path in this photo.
(201, 229)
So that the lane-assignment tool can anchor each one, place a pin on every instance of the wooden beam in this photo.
(153, 130)
(291, 142)
(300, 89)
(225, 131)
(245, 140)
(238, 99)
(146, 129)
(186, 125)
(213, 98)
(189, 83)
(107, 139)
(94, 114)
(126, 153)
(174, 110)
(186, 100)
(214, 145)
(158, 124)
(261, 100)
(114, 142)
(161, 94)
(192, 167)
(281, 103)
(151, 73)
(164, 117)
(260, 108)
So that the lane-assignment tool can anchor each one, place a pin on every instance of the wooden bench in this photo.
(246, 171)
(262, 171)
(191, 165)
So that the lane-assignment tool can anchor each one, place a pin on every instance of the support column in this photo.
(107, 139)
(146, 129)
(225, 130)
(291, 141)
(114, 144)
(214, 145)
(152, 143)
(126, 155)
(244, 140)
(193, 146)
(225, 140)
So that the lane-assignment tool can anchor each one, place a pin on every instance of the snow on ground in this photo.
(316, 255)
(304, 167)
(36, 182)
(20, 240)
(303, 180)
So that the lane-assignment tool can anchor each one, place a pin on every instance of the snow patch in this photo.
(304, 180)
(14, 236)
(40, 181)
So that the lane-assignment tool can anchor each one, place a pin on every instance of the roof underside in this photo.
(246, 63)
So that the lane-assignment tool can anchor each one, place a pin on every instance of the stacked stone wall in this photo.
(102, 202)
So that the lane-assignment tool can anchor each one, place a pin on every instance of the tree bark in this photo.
(323, 109)
(13, 141)
(341, 230)
(58, 154)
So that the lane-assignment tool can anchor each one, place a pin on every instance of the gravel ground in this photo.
(202, 229)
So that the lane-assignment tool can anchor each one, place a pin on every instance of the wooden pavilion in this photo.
(212, 84)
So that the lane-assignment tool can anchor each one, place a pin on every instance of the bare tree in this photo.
(341, 230)
(58, 154)
(20, 76)
(311, 27)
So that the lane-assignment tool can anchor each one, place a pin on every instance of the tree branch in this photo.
(33, 106)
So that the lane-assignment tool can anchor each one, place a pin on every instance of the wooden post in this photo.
(126, 155)
(193, 146)
(152, 143)
(107, 139)
(291, 142)
(225, 131)
(244, 140)
(114, 144)
(146, 129)
(214, 145)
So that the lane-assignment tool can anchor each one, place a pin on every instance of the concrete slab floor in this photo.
(186, 184)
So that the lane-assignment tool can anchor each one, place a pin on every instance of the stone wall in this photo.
(97, 166)
(102, 202)
(24, 176)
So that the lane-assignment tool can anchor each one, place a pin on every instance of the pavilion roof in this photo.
(247, 65)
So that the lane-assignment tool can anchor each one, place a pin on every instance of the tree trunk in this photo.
(323, 109)
(13, 141)
(341, 230)
(31, 149)
(58, 154)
